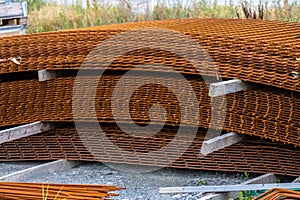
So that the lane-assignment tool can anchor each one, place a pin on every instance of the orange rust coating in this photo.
(251, 155)
(264, 112)
(266, 52)
(19, 191)
(278, 193)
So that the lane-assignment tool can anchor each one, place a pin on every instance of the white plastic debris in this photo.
(16, 60)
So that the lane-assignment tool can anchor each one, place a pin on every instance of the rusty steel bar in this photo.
(278, 193)
(18, 191)
(258, 51)
(262, 112)
(263, 52)
(251, 155)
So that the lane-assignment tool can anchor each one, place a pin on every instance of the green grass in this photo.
(50, 17)
(45, 194)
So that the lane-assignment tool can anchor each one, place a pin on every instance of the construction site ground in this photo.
(138, 185)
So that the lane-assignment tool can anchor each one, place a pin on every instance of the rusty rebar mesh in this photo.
(251, 155)
(278, 193)
(265, 112)
(20, 191)
(259, 51)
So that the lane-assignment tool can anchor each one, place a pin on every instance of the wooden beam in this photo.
(220, 142)
(14, 9)
(40, 170)
(24, 131)
(263, 179)
(45, 75)
(227, 87)
(297, 180)
(266, 178)
(227, 188)
(214, 196)
(25, 9)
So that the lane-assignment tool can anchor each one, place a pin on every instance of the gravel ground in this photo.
(141, 185)
(10, 167)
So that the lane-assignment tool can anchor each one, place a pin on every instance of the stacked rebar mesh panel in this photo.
(264, 112)
(262, 52)
(251, 155)
(258, 51)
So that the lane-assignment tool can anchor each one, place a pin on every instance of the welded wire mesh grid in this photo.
(252, 155)
(265, 112)
(257, 51)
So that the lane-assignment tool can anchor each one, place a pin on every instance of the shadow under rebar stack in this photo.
(266, 53)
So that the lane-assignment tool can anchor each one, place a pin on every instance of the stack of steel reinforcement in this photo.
(264, 112)
(258, 51)
(19, 191)
(262, 52)
(252, 155)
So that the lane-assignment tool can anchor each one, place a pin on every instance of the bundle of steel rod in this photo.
(251, 155)
(265, 112)
(20, 191)
(278, 193)
(258, 51)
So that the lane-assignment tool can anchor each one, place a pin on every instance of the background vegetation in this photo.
(50, 16)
